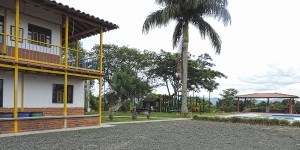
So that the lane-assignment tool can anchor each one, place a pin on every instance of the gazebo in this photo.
(268, 96)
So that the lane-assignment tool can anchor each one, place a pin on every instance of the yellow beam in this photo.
(17, 30)
(4, 28)
(100, 79)
(66, 41)
(16, 98)
(22, 90)
(77, 48)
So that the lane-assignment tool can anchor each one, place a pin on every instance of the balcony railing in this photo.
(47, 54)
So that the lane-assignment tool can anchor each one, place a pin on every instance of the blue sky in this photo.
(260, 50)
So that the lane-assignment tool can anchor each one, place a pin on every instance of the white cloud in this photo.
(259, 50)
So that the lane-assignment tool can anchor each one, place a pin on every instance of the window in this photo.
(58, 93)
(40, 34)
(1, 28)
(1, 93)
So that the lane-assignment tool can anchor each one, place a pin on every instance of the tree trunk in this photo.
(117, 106)
(184, 108)
(167, 87)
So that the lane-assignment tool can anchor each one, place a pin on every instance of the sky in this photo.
(260, 49)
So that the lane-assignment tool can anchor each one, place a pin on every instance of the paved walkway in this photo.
(103, 125)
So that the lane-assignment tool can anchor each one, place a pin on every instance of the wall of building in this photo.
(37, 16)
(38, 91)
(38, 124)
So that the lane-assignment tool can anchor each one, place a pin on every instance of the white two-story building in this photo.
(39, 72)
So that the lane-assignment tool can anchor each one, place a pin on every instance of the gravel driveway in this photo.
(187, 134)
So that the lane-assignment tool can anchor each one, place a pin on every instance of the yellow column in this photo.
(22, 96)
(65, 93)
(66, 41)
(4, 29)
(17, 30)
(100, 79)
(66, 66)
(77, 48)
(60, 48)
(16, 66)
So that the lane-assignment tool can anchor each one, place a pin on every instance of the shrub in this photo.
(196, 117)
(296, 123)
(235, 119)
(273, 122)
(284, 122)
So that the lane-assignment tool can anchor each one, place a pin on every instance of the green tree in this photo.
(164, 68)
(186, 12)
(227, 103)
(119, 62)
(127, 86)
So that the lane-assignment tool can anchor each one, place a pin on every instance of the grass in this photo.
(153, 114)
(126, 119)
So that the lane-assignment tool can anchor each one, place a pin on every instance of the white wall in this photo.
(53, 23)
(38, 91)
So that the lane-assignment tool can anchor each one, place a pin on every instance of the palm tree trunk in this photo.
(184, 108)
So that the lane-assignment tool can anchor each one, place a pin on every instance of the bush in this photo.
(284, 122)
(273, 122)
(296, 123)
(235, 119)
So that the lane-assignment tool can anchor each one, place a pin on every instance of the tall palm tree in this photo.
(185, 12)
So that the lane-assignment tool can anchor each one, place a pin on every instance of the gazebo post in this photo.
(238, 105)
(290, 106)
(268, 106)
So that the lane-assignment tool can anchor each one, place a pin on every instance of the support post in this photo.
(66, 41)
(22, 90)
(17, 30)
(77, 49)
(61, 46)
(100, 79)
(65, 98)
(66, 74)
(238, 105)
(290, 106)
(268, 106)
(16, 72)
(4, 31)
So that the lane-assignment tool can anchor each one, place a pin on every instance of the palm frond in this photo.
(177, 35)
(160, 18)
(207, 30)
(216, 9)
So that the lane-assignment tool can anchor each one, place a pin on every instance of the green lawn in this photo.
(126, 119)
(153, 114)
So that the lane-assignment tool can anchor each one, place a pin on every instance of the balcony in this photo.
(44, 56)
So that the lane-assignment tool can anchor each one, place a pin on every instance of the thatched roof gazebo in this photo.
(268, 96)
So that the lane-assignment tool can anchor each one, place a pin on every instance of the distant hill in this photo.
(213, 100)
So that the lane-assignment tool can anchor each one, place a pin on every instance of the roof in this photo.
(266, 95)
(81, 24)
